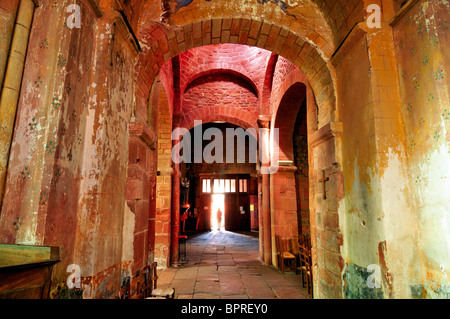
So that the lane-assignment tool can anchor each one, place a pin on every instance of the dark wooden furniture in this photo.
(140, 283)
(304, 243)
(124, 292)
(284, 255)
(26, 271)
(153, 290)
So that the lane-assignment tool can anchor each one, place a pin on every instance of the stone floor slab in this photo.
(226, 265)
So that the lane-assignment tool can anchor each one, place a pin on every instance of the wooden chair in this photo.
(124, 292)
(294, 248)
(304, 241)
(309, 272)
(155, 292)
(140, 280)
(304, 267)
(147, 284)
(305, 261)
(308, 242)
(284, 255)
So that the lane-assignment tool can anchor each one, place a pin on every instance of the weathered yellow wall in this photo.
(421, 46)
(360, 215)
(395, 155)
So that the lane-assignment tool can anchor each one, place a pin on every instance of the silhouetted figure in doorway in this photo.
(219, 219)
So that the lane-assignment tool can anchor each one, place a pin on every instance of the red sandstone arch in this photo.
(332, 18)
(312, 20)
(267, 86)
(240, 59)
(237, 117)
(286, 116)
(164, 45)
(291, 40)
(224, 71)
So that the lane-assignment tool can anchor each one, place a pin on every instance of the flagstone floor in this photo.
(226, 265)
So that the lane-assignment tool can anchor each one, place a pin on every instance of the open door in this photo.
(204, 218)
(244, 212)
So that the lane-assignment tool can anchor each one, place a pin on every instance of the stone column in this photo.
(264, 124)
(140, 190)
(176, 183)
(163, 216)
(164, 184)
(283, 204)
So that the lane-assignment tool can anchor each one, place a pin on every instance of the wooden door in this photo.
(244, 212)
(204, 222)
(231, 218)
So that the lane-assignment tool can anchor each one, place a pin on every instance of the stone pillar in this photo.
(176, 184)
(283, 204)
(260, 219)
(164, 184)
(12, 82)
(264, 124)
(140, 190)
(163, 216)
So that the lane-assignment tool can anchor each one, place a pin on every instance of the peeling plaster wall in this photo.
(362, 214)
(129, 225)
(69, 156)
(395, 157)
(421, 45)
(102, 195)
(44, 172)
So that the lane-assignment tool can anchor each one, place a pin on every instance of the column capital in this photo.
(264, 121)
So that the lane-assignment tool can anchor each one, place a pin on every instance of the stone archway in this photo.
(111, 126)
(163, 45)
(83, 112)
(292, 47)
(283, 199)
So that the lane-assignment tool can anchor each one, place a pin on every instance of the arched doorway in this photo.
(219, 180)
(104, 160)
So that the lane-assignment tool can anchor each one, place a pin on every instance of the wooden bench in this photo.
(26, 271)
(146, 283)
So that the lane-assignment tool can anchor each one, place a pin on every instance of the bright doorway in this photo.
(218, 202)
